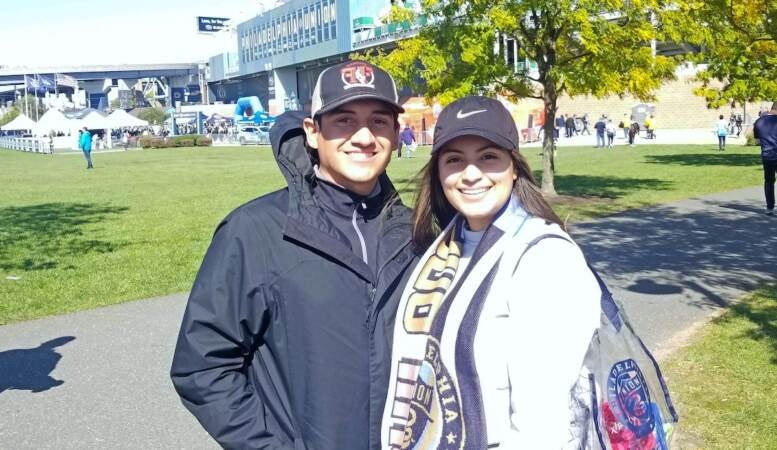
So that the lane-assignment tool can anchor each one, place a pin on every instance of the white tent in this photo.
(121, 119)
(21, 122)
(55, 120)
(95, 121)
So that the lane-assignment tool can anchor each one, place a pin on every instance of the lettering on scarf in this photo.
(435, 409)
(429, 288)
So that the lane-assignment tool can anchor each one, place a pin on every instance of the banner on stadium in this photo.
(193, 94)
(211, 24)
(177, 95)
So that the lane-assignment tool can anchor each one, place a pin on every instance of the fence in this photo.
(34, 145)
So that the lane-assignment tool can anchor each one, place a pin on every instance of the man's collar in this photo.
(343, 201)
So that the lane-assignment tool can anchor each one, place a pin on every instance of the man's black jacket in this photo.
(286, 338)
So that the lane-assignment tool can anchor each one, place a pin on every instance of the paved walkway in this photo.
(98, 379)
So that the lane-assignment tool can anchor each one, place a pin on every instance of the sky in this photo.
(92, 32)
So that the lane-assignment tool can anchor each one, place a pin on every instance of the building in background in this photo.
(279, 54)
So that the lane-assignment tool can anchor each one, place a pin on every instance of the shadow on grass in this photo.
(602, 187)
(763, 315)
(37, 237)
(706, 159)
(29, 369)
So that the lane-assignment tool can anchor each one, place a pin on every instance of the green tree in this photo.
(132, 102)
(739, 48)
(153, 116)
(26, 105)
(10, 115)
(579, 47)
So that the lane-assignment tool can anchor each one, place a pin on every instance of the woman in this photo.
(610, 129)
(497, 319)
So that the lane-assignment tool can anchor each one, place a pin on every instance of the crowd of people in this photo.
(604, 128)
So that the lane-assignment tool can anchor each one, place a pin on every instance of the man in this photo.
(570, 125)
(765, 130)
(561, 122)
(285, 340)
(739, 122)
(600, 126)
(85, 144)
(650, 127)
(585, 125)
(407, 137)
(633, 131)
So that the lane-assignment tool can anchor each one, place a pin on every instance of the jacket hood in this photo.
(287, 138)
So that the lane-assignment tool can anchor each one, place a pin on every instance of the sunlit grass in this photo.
(725, 382)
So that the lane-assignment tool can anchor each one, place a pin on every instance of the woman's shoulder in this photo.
(535, 229)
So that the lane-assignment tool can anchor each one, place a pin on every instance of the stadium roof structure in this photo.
(16, 75)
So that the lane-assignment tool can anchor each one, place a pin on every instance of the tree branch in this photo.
(510, 88)
(574, 57)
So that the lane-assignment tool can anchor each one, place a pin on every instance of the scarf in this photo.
(433, 365)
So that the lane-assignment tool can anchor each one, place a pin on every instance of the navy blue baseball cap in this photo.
(476, 116)
(353, 80)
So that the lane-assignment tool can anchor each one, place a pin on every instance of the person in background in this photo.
(406, 138)
(570, 125)
(650, 127)
(561, 123)
(721, 130)
(624, 125)
(85, 143)
(765, 131)
(585, 125)
(610, 131)
(600, 126)
(739, 122)
(125, 138)
(633, 131)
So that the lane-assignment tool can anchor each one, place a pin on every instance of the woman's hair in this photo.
(432, 212)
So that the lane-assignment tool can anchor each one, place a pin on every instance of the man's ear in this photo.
(311, 132)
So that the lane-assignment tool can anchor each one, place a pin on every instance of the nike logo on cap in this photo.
(463, 115)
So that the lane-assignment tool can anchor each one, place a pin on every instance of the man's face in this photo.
(354, 143)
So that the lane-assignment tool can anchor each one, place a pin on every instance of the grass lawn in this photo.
(725, 382)
(139, 223)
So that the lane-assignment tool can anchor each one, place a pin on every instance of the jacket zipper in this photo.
(359, 233)
(373, 310)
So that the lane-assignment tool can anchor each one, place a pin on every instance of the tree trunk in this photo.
(548, 143)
